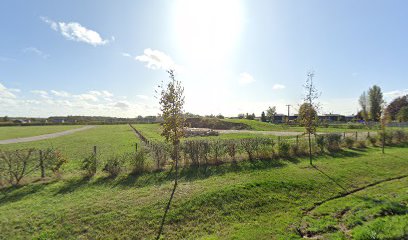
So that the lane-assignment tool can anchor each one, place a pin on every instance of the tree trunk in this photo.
(310, 150)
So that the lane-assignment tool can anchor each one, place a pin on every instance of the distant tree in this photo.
(263, 117)
(6, 119)
(220, 116)
(270, 113)
(363, 101)
(394, 107)
(250, 116)
(403, 114)
(308, 114)
(241, 116)
(375, 98)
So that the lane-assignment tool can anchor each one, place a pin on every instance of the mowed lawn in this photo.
(108, 139)
(250, 200)
(29, 131)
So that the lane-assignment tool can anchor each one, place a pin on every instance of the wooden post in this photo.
(136, 146)
(297, 140)
(42, 165)
(344, 135)
(94, 150)
(368, 134)
(356, 136)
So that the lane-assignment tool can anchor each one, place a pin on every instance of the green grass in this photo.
(250, 200)
(29, 131)
(109, 139)
(263, 126)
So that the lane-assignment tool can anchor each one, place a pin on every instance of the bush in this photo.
(399, 136)
(333, 141)
(320, 142)
(53, 160)
(361, 144)
(218, 149)
(250, 146)
(114, 165)
(192, 151)
(232, 147)
(300, 149)
(373, 141)
(89, 165)
(17, 164)
(138, 161)
(284, 149)
(160, 153)
(349, 142)
(386, 137)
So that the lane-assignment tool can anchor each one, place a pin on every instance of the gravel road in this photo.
(44, 136)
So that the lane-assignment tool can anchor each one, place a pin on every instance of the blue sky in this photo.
(232, 56)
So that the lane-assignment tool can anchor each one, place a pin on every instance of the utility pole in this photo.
(288, 105)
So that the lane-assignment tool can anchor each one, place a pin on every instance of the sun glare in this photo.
(207, 31)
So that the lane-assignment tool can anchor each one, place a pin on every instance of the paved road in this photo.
(44, 136)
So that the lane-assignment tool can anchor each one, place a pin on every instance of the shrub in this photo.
(361, 144)
(160, 153)
(231, 147)
(53, 160)
(218, 149)
(114, 165)
(387, 137)
(191, 148)
(283, 149)
(349, 142)
(400, 136)
(333, 142)
(89, 165)
(204, 151)
(18, 164)
(320, 142)
(265, 148)
(373, 141)
(250, 146)
(138, 161)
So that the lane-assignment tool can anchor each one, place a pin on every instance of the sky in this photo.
(106, 58)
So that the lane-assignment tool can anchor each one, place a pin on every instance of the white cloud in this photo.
(278, 86)
(41, 93)
(121, 105)
(156, 59)
(60, 93)
(87, 97)
(126, 54)
(245, 78)
(5, 92)
(36, 51)
(76, 32)
(144, 97)
(396, 93)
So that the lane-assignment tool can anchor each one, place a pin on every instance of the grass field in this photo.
(109, 139)
(29, 131)
(258, 200)
(263, 126)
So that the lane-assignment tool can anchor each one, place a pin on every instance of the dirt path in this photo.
(44, 136)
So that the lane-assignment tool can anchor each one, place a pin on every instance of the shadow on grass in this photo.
(73, 184)
(16, 193)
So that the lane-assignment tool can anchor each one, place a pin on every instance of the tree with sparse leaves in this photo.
(263, 117)
(172, 103)
(363, 101)
(309, 120)
(270, 113)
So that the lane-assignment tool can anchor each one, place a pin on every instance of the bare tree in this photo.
(309, 120)
(172, 103)
(18, 164)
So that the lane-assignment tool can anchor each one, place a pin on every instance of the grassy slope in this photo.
(262, 126)
(261, 200)
(109, 139)
(29, 131)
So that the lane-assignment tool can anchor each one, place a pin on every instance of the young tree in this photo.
(363, 101)
(270, 113)
(375, 98)
(385, 118)
(263, 117)
(172, 103)
(308, 119)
